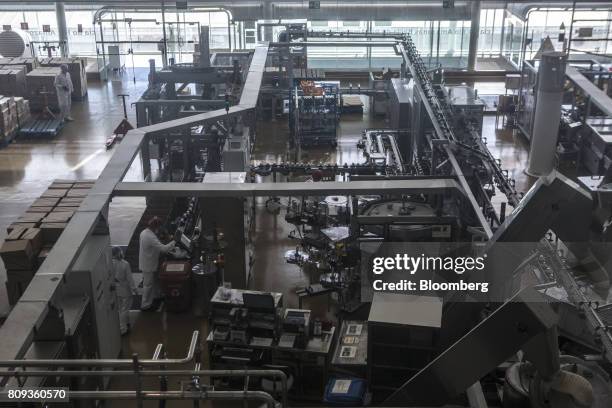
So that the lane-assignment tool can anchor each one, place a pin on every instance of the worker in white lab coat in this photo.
(148, 261)
(124, 287)
(64, 88)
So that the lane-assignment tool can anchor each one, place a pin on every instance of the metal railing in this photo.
(193, 389)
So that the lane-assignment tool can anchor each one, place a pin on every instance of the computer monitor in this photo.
(258, 300)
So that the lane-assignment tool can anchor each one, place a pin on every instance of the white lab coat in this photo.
(148, 260)
(64, 88)
(124, 286)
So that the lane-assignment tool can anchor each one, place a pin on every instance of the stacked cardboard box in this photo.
(8, 118)
(13, 80)
(33, 235)
(39, 82)
(14, 112)
(23, 110)
(28, 63)
(78, 74)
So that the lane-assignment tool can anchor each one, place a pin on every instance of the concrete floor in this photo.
(28, 167)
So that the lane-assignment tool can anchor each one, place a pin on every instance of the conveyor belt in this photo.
(597, 96)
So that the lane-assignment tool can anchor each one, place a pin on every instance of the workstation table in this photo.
(355, 365)
(309, 364)
(313, 361)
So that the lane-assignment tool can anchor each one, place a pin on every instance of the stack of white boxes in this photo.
(14, 112)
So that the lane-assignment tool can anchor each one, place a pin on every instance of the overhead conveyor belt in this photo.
(596, 96)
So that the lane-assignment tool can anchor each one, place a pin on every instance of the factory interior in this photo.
(419, 191)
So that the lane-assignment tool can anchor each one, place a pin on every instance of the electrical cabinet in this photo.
(403, 332)
(92, 275)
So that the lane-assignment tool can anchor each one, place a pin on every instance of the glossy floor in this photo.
(28, 166)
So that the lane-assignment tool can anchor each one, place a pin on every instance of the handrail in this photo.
(154, 373)
(105, 362)
(177, 395)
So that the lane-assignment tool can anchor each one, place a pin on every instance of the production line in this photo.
(536, 335)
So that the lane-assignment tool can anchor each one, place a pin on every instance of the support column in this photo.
(551, 78)
(474, 32)
(268, 15)
(204, 60)
(62, 28)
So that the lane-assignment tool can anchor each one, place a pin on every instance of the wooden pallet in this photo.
(41, 128)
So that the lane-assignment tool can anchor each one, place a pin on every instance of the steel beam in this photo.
(216, 103)
(384, 187)
(204, 77)
(595, 95)
(248, 100)
(334, 44)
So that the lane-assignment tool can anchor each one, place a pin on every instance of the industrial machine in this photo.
(314, 112)
(540, 337)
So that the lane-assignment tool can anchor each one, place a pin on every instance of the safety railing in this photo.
(139, 369)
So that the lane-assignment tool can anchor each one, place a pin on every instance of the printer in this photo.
(297, 321)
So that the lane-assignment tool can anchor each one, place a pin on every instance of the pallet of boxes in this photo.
(14, 108)
(40, 88)
(33, 235)
(14, 113)
(78, 73)
(13, 80)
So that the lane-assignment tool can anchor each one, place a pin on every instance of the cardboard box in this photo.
(16, 233)
(13, 80)
(34, 235)
(62, 186)
(18, 255)
(71, 200)
(83, 186)
(55, 192)
(40, 210)
(31, 218)
(67, 207)
(78, 74)
(41, 80)
(29, 62)
(51, 231)
(14, 225)
(45, 202)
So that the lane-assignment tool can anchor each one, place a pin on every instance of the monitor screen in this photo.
(258, 300)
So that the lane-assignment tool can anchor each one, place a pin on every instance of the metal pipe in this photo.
(154, 373)
(105, 362)
(177, 395)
